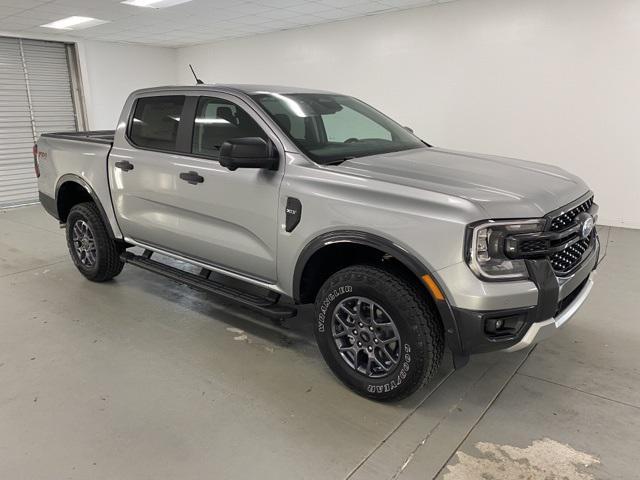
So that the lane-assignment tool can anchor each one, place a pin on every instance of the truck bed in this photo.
(76, 156)
(95, 136)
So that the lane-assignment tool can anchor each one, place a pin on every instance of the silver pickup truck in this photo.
(279, 196)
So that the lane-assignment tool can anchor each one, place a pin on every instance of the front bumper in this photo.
(554, 302)
(541, 330)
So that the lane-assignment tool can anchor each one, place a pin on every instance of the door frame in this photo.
(183, 148)
(185, 130)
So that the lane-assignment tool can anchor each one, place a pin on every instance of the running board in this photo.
(268, 306)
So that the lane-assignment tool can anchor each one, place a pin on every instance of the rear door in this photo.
(179, 198)
(142, 171)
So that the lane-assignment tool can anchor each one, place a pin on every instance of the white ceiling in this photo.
(197, 21)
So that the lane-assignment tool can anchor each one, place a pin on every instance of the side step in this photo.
(266, 305)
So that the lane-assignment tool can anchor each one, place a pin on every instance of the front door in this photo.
(183, 200)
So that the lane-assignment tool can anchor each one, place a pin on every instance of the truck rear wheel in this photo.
(377, 333)
(95, 254)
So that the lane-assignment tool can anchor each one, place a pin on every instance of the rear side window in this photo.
(218, 120)
(155, 122)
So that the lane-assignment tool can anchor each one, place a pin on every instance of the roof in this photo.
(251, 89)
(248, 89)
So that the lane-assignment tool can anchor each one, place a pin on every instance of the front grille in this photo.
(565, 260)
(562, 241)
(565, 219)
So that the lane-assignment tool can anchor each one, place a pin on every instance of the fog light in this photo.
(504, 326)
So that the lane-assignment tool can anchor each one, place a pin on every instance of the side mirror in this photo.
(248, 152)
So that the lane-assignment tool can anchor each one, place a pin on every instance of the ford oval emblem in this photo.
(587, 226)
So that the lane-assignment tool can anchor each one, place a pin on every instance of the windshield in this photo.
(330, 128)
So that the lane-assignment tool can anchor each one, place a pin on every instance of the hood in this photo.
(503, 187)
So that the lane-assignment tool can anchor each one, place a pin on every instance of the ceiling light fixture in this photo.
(74, 23)
(154, 3)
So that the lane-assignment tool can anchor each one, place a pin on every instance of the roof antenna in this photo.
(198, 81)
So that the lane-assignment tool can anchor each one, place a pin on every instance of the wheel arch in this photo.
(353, 239)
(72, 189)
(303, 289)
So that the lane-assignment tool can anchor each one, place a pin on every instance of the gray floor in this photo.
(142, 378)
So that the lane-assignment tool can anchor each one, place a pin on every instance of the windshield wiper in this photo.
(339, 161)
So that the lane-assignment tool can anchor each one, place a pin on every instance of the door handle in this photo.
(192, 177)
(124, 165)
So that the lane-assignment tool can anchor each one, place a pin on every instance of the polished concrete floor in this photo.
(142, 378)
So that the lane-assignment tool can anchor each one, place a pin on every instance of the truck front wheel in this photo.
(95, 254)
(377, 332)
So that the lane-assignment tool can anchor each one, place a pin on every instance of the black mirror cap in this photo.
(248, 152)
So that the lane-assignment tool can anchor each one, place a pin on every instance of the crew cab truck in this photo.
(299, 196)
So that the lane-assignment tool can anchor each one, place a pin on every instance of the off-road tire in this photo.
(107, 263)
(418, 324)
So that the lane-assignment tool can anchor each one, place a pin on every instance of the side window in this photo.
(218, 120)
(155, 122)
(348, 123)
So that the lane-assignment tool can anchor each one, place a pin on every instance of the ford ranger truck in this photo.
(278, 196)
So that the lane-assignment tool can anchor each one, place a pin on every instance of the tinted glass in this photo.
(348, 123)
(218, 120)
(292, 125)
(155, 122)
(330, 128)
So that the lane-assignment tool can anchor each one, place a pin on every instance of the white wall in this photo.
(555, 81)
(111, 71)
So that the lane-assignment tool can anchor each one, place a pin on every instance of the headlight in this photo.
(486, 253)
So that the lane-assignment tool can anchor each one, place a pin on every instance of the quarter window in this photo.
(218, 120)
(155, 122)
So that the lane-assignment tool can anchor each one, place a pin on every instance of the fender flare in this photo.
(358, 238)
(73, 178)
(387, 246)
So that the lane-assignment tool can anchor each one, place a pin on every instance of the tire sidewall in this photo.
(402, 376)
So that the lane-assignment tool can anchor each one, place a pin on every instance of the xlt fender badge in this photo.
(294, 213)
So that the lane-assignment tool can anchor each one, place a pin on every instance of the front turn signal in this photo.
(433, 288)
